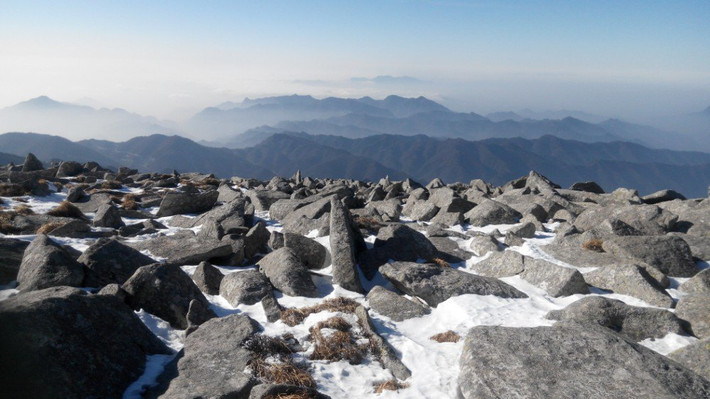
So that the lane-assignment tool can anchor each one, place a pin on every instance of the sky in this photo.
(169, 59)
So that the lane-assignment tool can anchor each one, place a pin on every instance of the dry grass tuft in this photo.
(129, 202)
(23, 210)
(302, 395)
(593, 245)
(49, 227)
(67, 209)
(448, 336)
(391, 385)
(11, 190)
(6, 226)
(295, 316)
(59, 186)
(210, 181)
(282, 373)
(263, 346)
(338, 344)
(368, 223)
(441, 263)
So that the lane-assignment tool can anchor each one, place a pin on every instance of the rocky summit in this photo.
(140, 284)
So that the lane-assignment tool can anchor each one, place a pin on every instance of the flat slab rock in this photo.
(569, 361)
(184, 248)
(435, 284)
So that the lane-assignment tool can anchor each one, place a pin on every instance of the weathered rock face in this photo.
(630, 279)
(695, 309)
(568, 361)
(256, 240)
(175, 203)
(646, 219)
(263, 199)
(287, 274)
(184, 248)
(695, 356)
(109, 261)
(59, 335)
(435, 284)
(636, 323)
(556, 280)
(46, 264)
(312, 254)
(501, 264)
(108, 216)
(247, 287)
(492, 212)
(214, 361)
(165, 291)
(11, 251)
(699, 284)
(484, 244)
(398, 242)
(342, 248)
(396, 307)
(31, 163)
(207, 278)
(669, 254)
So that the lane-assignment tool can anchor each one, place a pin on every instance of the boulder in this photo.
(699, 284)
(492, 212)
(501, 264)
(256, 240)
(247, 287)
(176, 202)
(588, 186)
(397, 242)
(555, 279)
(11, 251)
(483, 244)
(109, 261)
(314, 216)
(227, 193)
(69, 169)
(270, 391)
(287, 274)
(184, 248)
(213, 361)
(394, 306)
(695, 309)
(31, 163)
(570, 361)
(207, 278)
(108, 216)
(64, 343)
(381, 349)
(435, 284)
(636, 323)
(342, 248)
(165, 291)
(669, 254)
(630, 279)
(422, 211)
(662, 196)
(45, 264)
(646, 219)
(449, 251)
(695, 356)
(263, 199)
(311, 252)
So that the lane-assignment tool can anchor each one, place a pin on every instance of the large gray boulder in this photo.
(256, 240)
(571, 361)
(109, 261)
(207, 278)
(247, 287)
(501, 264)
(695, 309)
(555, 279)
(165, 291)
(184, 248)
(263, 199)
(64, 343)
(669, 254)
(699, 284)
(646, 219)
(342, 248)
(435, 284)
(311, 252)
(397, 242)
(108, 216)
(492, 212)
(695, 356)
(45, 264)
(394, 306)
(630, 279)
(287, 274)
(177, 202)
(11, 251)
(637, 323)
(483, 244)
(31, 163)
(314, 216)
(213, 361)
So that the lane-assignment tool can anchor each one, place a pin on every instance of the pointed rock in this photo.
(342, 248)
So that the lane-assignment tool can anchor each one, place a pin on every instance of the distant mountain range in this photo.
(247, 123)
(613, 164)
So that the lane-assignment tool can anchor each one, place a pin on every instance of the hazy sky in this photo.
(170, 58)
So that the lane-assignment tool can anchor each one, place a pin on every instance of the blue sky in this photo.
(163, 58)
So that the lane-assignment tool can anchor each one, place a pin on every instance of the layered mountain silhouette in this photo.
(420, 157)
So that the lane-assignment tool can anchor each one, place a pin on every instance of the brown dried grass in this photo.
(282, 373)
(295, 316)
(49, 227)
(11, 190)
(67, 209)
(448, 336)
(6, 226)
(593, 245)
(336, 345)
(302, 395)
(129, 202)
(391, 385)
(368, 223)
(441, 263)
(23, 209)
(111, 185)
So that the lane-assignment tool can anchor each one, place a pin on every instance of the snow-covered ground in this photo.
(434, 365)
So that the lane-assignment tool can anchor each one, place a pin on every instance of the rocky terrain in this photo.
(120, 283)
